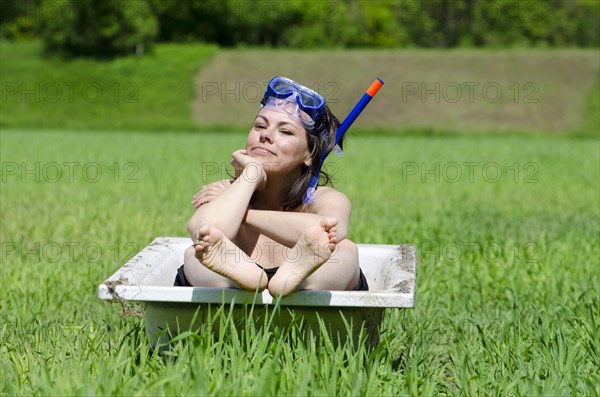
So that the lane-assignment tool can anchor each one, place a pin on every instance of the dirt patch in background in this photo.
(463, 90)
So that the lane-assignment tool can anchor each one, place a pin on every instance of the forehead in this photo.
(277, 117)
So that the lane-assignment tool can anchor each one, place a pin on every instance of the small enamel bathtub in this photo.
(148, 277)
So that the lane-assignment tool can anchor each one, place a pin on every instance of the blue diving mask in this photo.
(300, 102)
(308, 101)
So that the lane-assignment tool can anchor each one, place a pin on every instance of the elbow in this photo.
(193, 227)
(196, 222)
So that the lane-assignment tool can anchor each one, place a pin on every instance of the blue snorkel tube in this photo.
(309, 196)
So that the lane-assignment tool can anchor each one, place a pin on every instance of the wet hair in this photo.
(316, 145)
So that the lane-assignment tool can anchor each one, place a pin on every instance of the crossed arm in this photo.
(225, 211)
(225, 205)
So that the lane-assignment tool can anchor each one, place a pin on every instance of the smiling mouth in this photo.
(260, 149)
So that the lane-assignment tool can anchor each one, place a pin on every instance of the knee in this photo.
(347, 248)
(189, 252)
(193, 228)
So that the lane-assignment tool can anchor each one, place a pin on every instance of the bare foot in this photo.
(312, 249)
(222, 256)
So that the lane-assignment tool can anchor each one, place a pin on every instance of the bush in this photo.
(18, 19)
(97, 28)
(113, 27)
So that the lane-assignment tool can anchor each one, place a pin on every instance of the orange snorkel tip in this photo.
(372, 90)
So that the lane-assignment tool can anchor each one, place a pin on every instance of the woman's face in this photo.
(279, 141)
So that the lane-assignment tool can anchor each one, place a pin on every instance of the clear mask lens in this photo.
(309, 101)
(290, 106)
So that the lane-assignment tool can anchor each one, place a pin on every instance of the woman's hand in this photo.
(209, 192)
(249, 168)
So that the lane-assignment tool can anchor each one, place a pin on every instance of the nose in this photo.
(266, 135)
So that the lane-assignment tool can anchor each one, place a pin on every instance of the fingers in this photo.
(200, 201)
(204, 198)
(240, 151)
(239, 158)
(209, 192)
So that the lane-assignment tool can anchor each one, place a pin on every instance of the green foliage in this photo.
(347, 23)
(89, 29)
(19, 20)
(521, 319)
(98, 28)
(536, 23)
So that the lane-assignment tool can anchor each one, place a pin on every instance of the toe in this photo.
(328, 223)
(203, 231)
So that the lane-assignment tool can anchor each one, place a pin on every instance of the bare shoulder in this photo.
(327, 198)
(329, 193)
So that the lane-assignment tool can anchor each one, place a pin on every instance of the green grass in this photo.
(176, 88)
(475, 91)
(153, 92)
(591, 126)
(514, 312)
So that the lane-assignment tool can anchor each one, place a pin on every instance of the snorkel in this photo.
(309, 196)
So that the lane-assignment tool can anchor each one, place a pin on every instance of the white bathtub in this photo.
(148, 277)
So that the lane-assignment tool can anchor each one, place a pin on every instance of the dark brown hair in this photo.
(316, 145)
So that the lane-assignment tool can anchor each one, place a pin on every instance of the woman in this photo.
(268, 228)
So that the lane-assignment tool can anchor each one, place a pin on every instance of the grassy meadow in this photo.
(131, 94)
(195, 87)
(506, 228)
(506, 300)
(460, 90)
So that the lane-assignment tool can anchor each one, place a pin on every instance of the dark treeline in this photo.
(110, 27)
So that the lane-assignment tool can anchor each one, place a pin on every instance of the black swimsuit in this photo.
(182, 281)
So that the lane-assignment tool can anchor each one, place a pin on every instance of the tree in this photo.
(97, 28)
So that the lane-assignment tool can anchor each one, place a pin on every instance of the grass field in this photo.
(459, 90)
(506, 226)
(197, 87)
(130, 94)
(507, 286)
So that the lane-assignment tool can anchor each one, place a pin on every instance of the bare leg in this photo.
(341, 272)
(200, 276)
(220, 263)
(313, 249)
